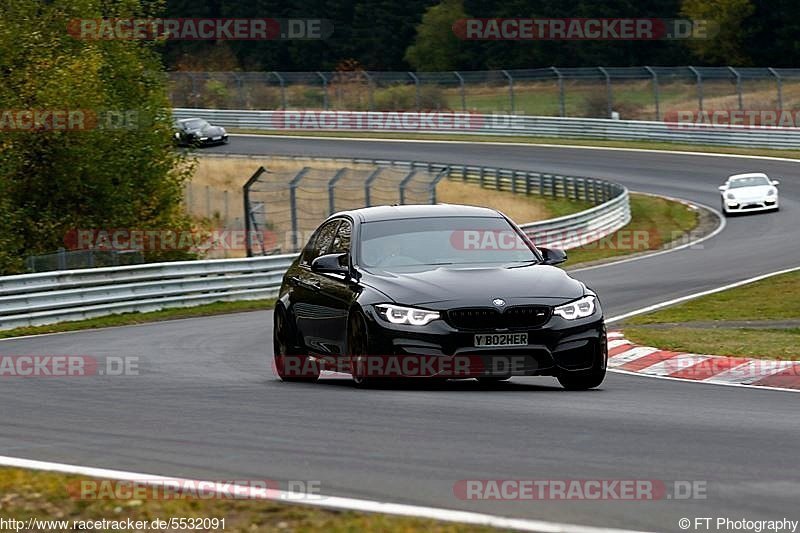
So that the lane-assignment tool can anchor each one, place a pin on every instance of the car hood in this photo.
(208, 132)
(477, 286)
(758, 191)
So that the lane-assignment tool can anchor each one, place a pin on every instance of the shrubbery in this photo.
(111, 176)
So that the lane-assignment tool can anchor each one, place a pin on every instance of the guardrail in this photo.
(502, 125)
(49, 297)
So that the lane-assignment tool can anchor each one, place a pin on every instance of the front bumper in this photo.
(557, 347)
(745, 206)
(213, 140)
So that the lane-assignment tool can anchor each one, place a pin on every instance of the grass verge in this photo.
(734, 342)
(654, 223)
(701, 324)
(644, 145)
(519, 207)
(46, 496)
(127, 319)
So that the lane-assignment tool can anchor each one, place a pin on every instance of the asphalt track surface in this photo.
(206, 405)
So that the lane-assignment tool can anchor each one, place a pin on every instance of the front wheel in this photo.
(358, 349)
(290, 365)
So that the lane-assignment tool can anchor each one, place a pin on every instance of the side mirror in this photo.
(553, 256)
(776, 183)
(723, 188)
(330, 264)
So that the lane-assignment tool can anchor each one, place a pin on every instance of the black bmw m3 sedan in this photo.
(434, 291)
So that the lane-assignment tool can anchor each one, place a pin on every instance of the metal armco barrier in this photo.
(504, 125)
(50, 297)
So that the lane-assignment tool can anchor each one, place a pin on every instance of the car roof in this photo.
(748, 175)
(181, 121)
(396, 212)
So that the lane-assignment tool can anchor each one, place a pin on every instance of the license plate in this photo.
(217, 138)
(501, 339)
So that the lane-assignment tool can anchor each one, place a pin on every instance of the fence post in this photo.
(62, 259)
(442, 174)
(240, 87)
(510, 89)
(225, 203)
(461, 87)
(416, 89)
(208, 201)
(779, 83)
(331, 186)
(655, 91)
(368, 184)
(293, 204)
(324, 90)
(738, 86)
(283, 89)
(371, 86)
(699, 86)
(192, 99)
(404, 183)
(609, 95)
(248, 226)
(561, 106)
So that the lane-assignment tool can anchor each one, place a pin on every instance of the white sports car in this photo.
(749, 192)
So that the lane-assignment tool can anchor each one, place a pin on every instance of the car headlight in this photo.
(406, 315)
(578, 309)
(203, 138)
(771, 192)
(730, 196)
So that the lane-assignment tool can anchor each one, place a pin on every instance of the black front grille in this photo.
(478, 318)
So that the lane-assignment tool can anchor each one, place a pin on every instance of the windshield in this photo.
(197, 124)
(419, 242)
(752, 181)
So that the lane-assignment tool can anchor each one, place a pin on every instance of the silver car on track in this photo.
(743, 193)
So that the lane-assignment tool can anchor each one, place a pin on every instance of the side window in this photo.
(320, 242)
(341, 242)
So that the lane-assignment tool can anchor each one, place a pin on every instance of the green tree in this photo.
(117, 173)
(436, 46)
(728, 18)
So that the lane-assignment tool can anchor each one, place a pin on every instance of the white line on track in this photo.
(702, 381)
(330, 502)
(692, 296)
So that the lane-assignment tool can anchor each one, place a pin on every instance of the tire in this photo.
(358, 349)
(283, 348)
